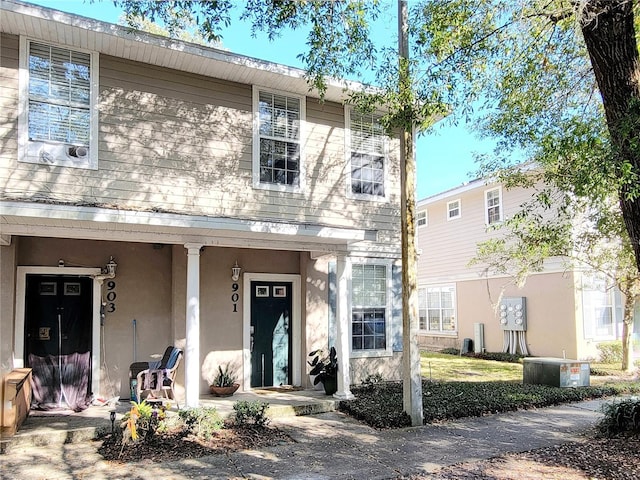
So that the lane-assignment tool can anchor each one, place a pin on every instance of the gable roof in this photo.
(54, 26)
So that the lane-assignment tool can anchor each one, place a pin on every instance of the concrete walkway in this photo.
(327, 446)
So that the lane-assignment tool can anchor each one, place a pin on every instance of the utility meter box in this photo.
(513, 313)
(556, 372)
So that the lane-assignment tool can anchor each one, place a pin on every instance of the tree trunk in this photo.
(627, 331)
(411, 378)
(609, 34)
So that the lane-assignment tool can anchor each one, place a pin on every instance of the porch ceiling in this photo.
(58, 27)
(92, 223)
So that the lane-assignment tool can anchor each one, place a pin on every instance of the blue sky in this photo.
(444, 156)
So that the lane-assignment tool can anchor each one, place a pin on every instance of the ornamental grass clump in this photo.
(620, 417)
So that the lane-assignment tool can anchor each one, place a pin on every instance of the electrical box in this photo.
(556, 372)
(513, 313)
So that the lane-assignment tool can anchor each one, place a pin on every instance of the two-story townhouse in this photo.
(248, 222)
(560, 311)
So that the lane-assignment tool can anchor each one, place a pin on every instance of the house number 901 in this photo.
(235, 296)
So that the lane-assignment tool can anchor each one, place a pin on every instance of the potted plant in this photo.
(325, 369)
(224, 384)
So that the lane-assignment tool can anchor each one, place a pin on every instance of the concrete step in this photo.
(90, 424)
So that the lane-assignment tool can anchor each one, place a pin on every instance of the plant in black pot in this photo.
(325, 369)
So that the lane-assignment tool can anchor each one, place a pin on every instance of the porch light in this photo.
(235, 272)
(110, 268)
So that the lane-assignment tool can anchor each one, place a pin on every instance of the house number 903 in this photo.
(235, 296)
(111, 296)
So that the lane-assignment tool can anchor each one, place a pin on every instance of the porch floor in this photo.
(46, 428)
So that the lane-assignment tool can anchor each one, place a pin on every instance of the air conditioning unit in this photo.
(58, 153)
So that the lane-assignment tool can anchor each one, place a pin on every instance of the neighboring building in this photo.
(565, 312)
(178, 162)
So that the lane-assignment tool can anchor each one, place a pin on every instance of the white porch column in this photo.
(192, 349)
(343, 277)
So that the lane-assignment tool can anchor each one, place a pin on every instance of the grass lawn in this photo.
(454, 368)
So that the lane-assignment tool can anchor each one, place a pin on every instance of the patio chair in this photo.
(156, 377)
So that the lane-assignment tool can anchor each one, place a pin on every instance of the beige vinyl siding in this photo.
(9, 53)
(448, 245)
(180, 142)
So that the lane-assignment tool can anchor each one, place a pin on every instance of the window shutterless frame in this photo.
(493, 206)
(278, 140)
(366, 157)
(366, 304)
(56, 125)
(454, 209)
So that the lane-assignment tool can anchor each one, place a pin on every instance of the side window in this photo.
(369, 307)
(493, 206)
(453, 210)
(58, 124)
(421, 218)
(437, 308)
(367, 155)
(277, 150)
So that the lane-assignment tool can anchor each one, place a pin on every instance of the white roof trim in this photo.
(456, 191)
(17, 215)
(55, 26)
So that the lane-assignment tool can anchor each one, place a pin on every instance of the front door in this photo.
(58, 331)
(270, 333)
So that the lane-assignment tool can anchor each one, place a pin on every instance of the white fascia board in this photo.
(465, 187)
(220, 225)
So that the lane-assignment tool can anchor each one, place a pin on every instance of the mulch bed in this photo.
(179, 444)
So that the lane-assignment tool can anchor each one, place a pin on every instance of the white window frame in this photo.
(91, 162)
(423, 304)
(499, 205)
(364, 196)
(596, 287)
(449, 204)
(381, 352)
(421, 218)
(256, 142)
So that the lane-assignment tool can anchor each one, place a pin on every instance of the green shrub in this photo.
(251, 413)
(620, 417)
(450, 351)
(381, 405)
(372, 379)
(610, 352)
(497, 356)
(202, 421)
(142, 421)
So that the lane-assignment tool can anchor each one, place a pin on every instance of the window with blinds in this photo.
(59, 94)
(367, 154)
(57, 124)
(279, 118)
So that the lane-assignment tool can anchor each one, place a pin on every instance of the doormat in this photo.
(280, 389)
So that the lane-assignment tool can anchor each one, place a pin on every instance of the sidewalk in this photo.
(328, 446)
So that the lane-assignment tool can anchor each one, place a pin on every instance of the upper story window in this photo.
(493, 206)
(370, 312)
(277, 146)
(421, 218)
(453, 209)
(437, 308)
(367, 150)
(58, 123)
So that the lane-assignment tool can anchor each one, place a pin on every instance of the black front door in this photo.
(270, 333)
(58, 332)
